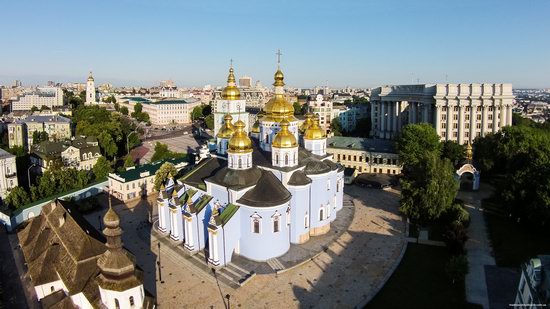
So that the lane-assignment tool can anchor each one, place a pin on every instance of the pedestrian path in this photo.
(479, 250)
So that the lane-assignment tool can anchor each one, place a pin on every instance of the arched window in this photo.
(321, 214)
(276, 224)
(240, 163)
(52, 288)
(276, 159)
(306, 221)
(266, 140)
(117, 304)
(132, 301)
(286, 159)
(256, 226)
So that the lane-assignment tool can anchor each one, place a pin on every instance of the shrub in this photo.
(457, 268)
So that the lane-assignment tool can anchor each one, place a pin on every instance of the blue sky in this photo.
(355, 43)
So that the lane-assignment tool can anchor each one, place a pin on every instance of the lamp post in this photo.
(159, 266)
(228, 304)
(127, 141)
(29, 174)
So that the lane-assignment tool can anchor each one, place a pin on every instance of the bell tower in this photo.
(90, 90)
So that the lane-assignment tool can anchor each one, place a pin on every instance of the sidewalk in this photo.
(479, 250)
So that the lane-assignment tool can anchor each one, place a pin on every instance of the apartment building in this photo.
(138, 181)
(163, 112)
(38, 97)
(20, 132)
(8, 173)
(80, 153)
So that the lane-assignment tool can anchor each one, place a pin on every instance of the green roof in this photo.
(360, 143)
(227, 213)
(152, 168)
(205, 199)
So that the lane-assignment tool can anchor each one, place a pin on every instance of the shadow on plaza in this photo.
(136, 234)
(355, 265)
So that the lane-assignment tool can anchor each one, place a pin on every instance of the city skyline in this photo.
(322, 43)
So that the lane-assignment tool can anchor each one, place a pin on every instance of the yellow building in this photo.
(365, 155)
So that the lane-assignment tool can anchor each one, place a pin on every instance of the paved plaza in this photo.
(346, 273)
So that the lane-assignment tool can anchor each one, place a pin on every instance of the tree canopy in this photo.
(162, 153)
(39, 136)
(415, 141)
(163, 173)
(209, 120)
(102, 168)
(17, 197)
(336, 126)
(453, 151)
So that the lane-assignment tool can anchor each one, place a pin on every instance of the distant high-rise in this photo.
(17, 83)
(245, 82)
(90, 90)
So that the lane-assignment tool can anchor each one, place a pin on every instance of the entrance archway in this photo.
(471, 177)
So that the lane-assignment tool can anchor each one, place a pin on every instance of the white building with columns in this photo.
(459, 112)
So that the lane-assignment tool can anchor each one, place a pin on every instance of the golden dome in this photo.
(256, 127)
(314, 131)
(227, 130)
(307, 123)
(231, 92)
(239, 142)
(279, 78)
(278, 107)
(284, 138)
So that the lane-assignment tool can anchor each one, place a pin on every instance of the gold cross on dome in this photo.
(279, 54)
(231, 62)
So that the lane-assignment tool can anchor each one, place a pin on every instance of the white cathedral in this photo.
(261, 191)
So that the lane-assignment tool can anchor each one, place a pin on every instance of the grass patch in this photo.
(514, 243)
(420, 281)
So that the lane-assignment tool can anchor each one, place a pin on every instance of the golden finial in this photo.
(469, 151)
(231, 92)
(215, 211)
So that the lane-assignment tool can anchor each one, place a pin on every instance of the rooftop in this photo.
(148, 169)
(361, 143)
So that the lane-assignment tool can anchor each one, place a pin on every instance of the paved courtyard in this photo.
(347, 273)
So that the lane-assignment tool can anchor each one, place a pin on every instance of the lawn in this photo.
(514, 243)
(420, 282)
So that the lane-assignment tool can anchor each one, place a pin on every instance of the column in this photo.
(495, 117)
(392, 123)
(372, 114)
(483, 118)
(449, 121)
(410, 111)
(382, 119)
(509, 121)
(503, 115)
(438, 120)
(473, 128)
(414, 111)
(425, 112)
(396, 124)
(460, 138)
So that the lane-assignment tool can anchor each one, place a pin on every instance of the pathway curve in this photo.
(478, 247)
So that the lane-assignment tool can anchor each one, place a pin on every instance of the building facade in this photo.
(458, 112)
(136, 182)
(80, 153)
(365, 155)
(42, 96)
(533, 289)
(8, 173)
(163, 112)
(20, 132)
(260, 193)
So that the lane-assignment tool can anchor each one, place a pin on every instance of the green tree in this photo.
(336, 126)
(138, 108)
(44, 108)
(430, 191)
(206, 110)
(415, 142)
(39, 136)
(197, 112)
(117, 107)
(102, 168)
(453, 151)
(297, 108)
(107, 143)
(124, 110)
(17, 197)
(34, 109)
(457, 268)
(47, 184)
(129, 161)
(163, 173)
(209, 120)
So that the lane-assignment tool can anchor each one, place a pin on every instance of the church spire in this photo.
(231, 92)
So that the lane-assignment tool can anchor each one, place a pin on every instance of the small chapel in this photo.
(261, 190)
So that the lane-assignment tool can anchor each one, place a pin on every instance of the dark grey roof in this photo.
(269, 191)
(236, 179)
(299, 178)
(348, 171)
(205, 169)
(316, 167)
(360, 143)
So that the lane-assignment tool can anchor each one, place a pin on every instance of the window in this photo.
(328, 184)
(306, 221)
(52, 289)
(286, 159)
(321, 214)
(455, 117)
(117, 304)
(132, 301)
(256, 226)
(276, 224)
(240, 163)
